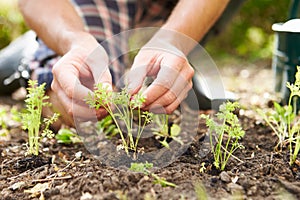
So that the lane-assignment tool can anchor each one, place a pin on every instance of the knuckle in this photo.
(169, 110)
(170, 98)
(53, 86)
(70, 111)
(191, 72)
(55, 69)
(69, 91)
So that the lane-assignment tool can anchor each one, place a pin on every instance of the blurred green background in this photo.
(248, 35)
(11, 22)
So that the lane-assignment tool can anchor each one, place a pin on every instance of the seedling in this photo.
(121, 106)
(66, 136)
(283, 120)
(31, 119)
(229, 126)
(3, 125)
(3, 115)
(164, 130)
(278, 119)
(107, 127)
(145, 168)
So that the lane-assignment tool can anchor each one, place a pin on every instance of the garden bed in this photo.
(71, 172)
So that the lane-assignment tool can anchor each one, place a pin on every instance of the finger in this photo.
(138, 72)
(97, 62)
(172, 79)
(168, 102)
(76, 108)
(160, 85)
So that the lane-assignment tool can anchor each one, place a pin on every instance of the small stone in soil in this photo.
(224, 176)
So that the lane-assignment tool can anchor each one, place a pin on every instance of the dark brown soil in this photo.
(257, 172)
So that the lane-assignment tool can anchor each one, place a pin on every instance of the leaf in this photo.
(162, 181)
(175, 130)
(140, 167)
(165, 143)
(66, 136)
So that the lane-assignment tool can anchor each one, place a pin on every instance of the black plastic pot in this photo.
(286, 55)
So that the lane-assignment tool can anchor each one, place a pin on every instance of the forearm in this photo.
(55, 22)
(194, 18)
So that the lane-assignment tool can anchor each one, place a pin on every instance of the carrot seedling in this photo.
(229, 126)
(145, 168)
(121, 106)
(284, 122)
(31, 118)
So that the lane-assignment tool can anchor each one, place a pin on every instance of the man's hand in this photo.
(74, 77)
(172, 78)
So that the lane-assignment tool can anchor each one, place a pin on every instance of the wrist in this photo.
(173, 40)
(77, 40)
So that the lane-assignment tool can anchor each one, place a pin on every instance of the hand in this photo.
(172, 76)
(74, 77)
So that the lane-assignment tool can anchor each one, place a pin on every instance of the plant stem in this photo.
(109, 110)
(289, 130)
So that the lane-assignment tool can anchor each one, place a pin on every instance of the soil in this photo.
(71, 172)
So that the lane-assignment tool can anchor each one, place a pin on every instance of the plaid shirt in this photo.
(104, 19)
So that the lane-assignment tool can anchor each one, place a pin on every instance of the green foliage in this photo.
(284, 122)
(278, 120)
(230, 127)
(145, 168)
(3, 131)
(31, 119)
(249, 34)
(107, 127)
(66, 136)
(141, 167)
(126, 109)
(11, 22)
(3, 115)
(121, 106)
(163, 130)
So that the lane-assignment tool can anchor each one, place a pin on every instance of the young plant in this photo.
(229, 126)
(294, 127)
(107, 127)
(284, 122)
(278, 119)
(3, 125)
(165, 130)
(31, 119)
(121, 106)
(66, 136)
(3, 115)
(145, 168)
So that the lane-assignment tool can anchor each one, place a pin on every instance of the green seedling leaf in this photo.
(141, 167)
(162, 181)
(144, 168)
(107, 127)
(66, 136)
(175, 130)
(165, 143)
